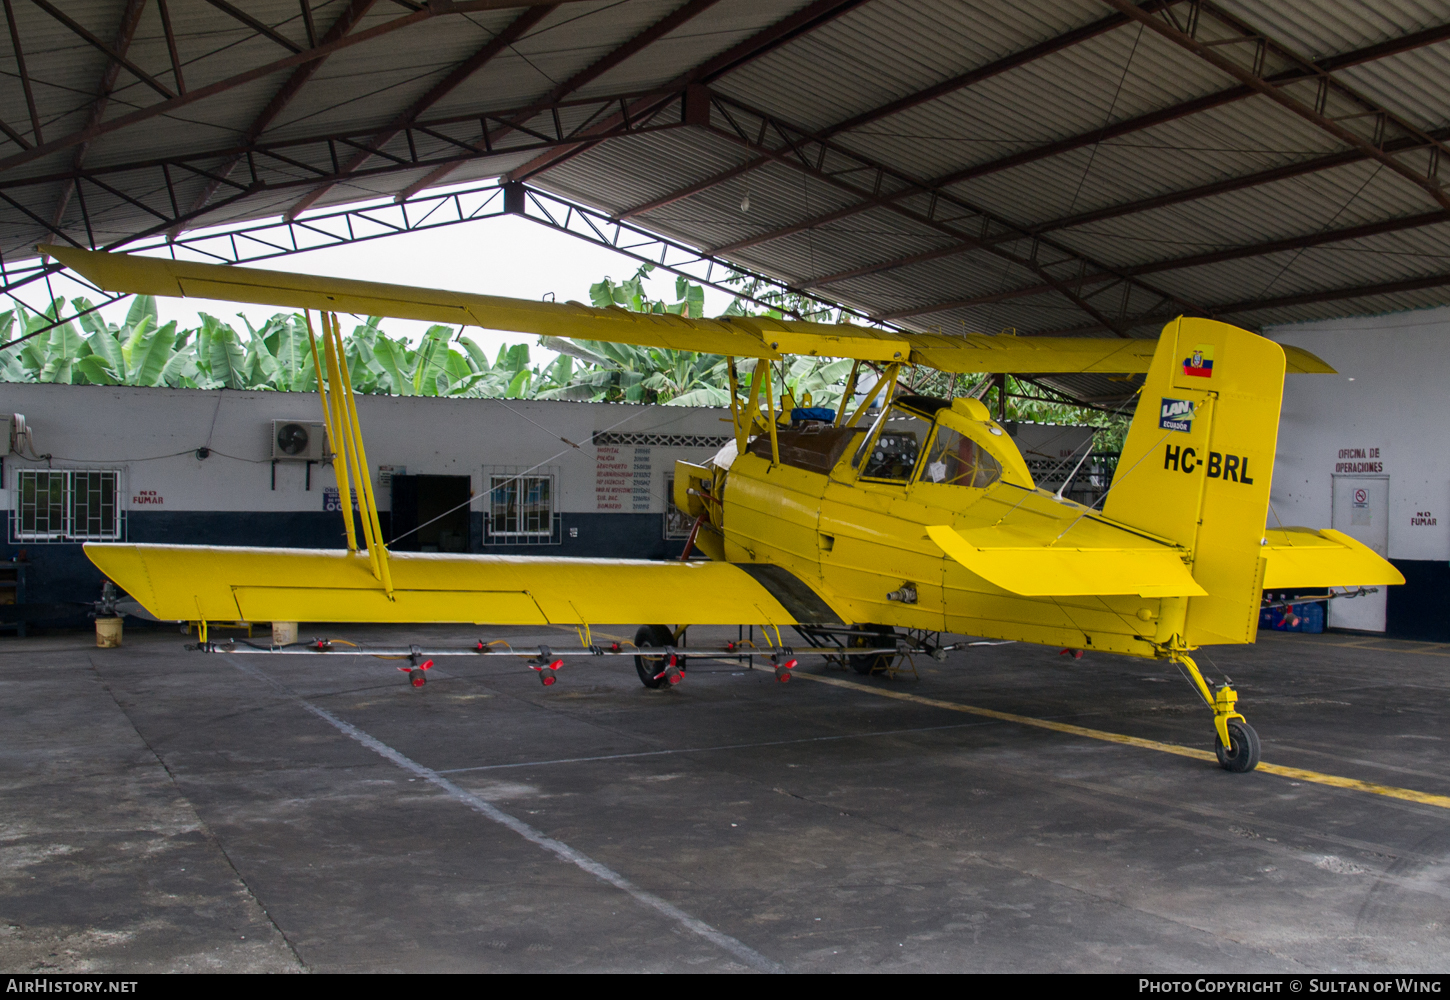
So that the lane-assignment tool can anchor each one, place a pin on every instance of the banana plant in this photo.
(278, 356)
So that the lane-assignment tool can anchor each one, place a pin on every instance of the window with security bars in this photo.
(521, 510)
(67, 505)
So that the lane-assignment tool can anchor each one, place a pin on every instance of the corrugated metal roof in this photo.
(810, 68)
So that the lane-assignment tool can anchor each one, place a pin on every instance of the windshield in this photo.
(896, 446)
(957, 460)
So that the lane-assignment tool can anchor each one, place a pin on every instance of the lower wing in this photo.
(215, 583)
(1304, 557)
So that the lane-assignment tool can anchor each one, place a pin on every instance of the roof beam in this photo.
(635, 45)
(436, 8)
(514, 31)
(171, 46)
(1359, 232)
(110, 52)
(1321, 238)
(130, 18)
(1334, 294)
(1314, 112)
(763, 42)
(806, 152)
(1279, 302)
(313, 153)
(260, 27)
(1381, 50)
(1147, 121)
(1289, 170)
(1055, 148)
(958, 82)
(284, 95)
(890, 316)
(24, 75)
(1028, 263)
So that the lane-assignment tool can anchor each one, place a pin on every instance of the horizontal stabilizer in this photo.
(1303, 557)
(1048, 571)
(216, 583)
(1298, 361)
(740, 336)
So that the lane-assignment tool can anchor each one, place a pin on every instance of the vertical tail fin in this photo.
(1197, 464)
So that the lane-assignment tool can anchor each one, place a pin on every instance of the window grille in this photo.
(521, 510)
(67, 505)
(662, 440)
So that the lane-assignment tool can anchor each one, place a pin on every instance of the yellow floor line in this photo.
(1408, 794)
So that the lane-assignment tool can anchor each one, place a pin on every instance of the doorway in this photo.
(430, 513)
(1361, 511)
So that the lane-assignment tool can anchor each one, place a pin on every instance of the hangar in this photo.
(1083, 169)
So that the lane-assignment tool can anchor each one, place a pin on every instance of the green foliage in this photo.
(278, 356)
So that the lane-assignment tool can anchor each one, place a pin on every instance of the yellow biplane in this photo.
(924, 519)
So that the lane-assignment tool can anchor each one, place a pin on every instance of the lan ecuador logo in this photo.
(1176, 415)
(1200, 362)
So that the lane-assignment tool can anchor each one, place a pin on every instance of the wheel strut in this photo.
(1238, 744)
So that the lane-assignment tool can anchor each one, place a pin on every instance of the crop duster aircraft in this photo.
(924, 519)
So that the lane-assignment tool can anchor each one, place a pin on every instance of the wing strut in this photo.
(886, 381)
(339, 412)
(850, 391)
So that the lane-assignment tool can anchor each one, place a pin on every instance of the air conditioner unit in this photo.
(299, 440)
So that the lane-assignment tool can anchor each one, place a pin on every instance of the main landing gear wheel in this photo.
(1242, 753)
(652, 669)
(869, 663)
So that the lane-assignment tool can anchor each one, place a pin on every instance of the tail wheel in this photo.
(1242, 753)
(650, 667)
(869, 663)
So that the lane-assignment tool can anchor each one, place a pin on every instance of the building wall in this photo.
(1386, 412)
(611, 496)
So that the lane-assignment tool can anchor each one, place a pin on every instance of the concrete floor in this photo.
(165, 810)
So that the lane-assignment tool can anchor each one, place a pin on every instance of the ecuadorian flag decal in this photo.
(1200, 362)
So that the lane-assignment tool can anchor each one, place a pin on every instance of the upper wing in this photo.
(1144, 569)
(215, 583)
(744, 337)
(1303, 557)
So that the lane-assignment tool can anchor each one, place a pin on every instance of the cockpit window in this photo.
(957, 460)
(896, 447)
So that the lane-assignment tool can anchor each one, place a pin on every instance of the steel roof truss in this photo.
(439, 8)
(1225, 54)
(24, 74)
(656, 119)
(893, 201)
(130, 18)
(109, 52)
(345, 22)
(971, 77)
(1300, 71)
(171, 50)
(763, 42)
(1320, 238)
(594, 70)
(260, 27)
(485, 54)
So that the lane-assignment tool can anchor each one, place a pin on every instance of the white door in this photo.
(1362, 511)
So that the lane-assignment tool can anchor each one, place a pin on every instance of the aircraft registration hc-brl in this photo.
(872, 539)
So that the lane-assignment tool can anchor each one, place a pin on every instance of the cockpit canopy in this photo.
(948, 442)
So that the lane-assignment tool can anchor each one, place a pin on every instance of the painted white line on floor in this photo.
(563, 851)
